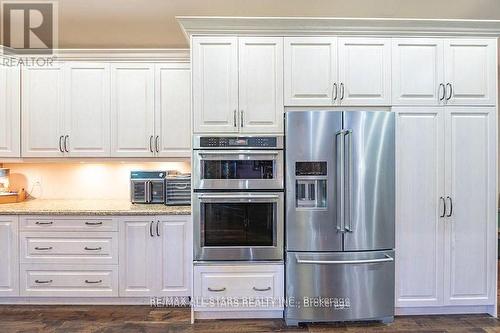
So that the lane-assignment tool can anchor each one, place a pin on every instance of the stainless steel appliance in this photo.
(147, 186)
(340, 212)
(178, 189)
(238, 199)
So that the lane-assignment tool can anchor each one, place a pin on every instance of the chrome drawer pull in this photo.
(217, 290)
(259, 289)
(93, 223)
(43, 281)
(93, 248)
(43, 248)
(90, 282)
(44, 223)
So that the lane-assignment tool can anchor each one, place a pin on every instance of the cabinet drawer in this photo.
(69, 280)
(69, 247)
(245, 281)
(68, 223)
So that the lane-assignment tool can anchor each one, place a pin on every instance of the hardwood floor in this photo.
(103, 319)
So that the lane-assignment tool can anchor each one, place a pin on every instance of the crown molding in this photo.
(289, 26)
(114, 55)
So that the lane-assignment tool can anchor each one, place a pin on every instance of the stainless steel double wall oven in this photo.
(238, 199)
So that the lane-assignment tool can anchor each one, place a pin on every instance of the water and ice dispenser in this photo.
(311, 185)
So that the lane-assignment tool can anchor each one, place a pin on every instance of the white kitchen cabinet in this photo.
(471, 70)
(310, 65)
(175, 256)
(471, 180)
(215, 84)
(417, 71)
(261, 84)
(155, 256)
(173, 110)
(87, 109)
(9, 258)
(420, 183)
(364, 71)
(132, 110)
(43, 111)
(10, 111)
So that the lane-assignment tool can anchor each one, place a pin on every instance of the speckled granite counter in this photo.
(89, 207)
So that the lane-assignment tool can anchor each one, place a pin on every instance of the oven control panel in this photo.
(238, 142)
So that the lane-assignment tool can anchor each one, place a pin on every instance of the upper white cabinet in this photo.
(87, 109)
(364, 71)
(43, 111)
(325, 71)
(173, 110)
(10, 111)
(215, 84)
(311, 70)
(444, 71)
(132, 110)
(237, 84)
(9, 260)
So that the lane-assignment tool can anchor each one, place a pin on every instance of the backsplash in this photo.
(81, 180)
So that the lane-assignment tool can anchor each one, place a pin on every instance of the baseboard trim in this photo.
(76, 300)
(256, 314)
(445, 310)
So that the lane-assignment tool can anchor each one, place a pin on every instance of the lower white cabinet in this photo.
(9, 256)
(155, 256)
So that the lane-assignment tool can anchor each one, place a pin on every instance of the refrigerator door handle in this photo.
(387, 258)
(339, 179)
(348, 182)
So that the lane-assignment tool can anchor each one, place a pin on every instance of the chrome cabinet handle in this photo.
(157, 143)
(261, 289)
(44, 223)
(335, 95)
(60, 144)
(93, 248)
(341, 91)
(217, 290)
(451, 91)
(444, 206)
(441, 85)
(241, 118)
(451, 207)
(234, 119)
(66, 144)
(151, 143)
(151, 229)
(44, 248)
(93, 223)
(158, 228)
(90, 281)
(43, 281)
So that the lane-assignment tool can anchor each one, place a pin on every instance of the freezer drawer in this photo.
(339, 286)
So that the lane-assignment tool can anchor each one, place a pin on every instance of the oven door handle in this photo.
(236, 197)
(239, 152)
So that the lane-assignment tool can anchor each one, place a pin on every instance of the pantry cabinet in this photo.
(10, 111)
(446, 185)
(237, 84)
(9, 258)
(155, 256)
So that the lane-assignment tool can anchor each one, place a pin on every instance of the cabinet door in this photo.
(417, 71)
(175, 255)
(173, 110)
(9, 258)
(132, 110)
(419, 186)
(365, 71)
(261, 84)
(10, 111)
(470, 246)
(138, 259)
(310, 70)
(471, 69)
(215, 84)
(42, 114)
(87, 111)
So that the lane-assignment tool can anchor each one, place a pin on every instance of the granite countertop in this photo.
(89, 207)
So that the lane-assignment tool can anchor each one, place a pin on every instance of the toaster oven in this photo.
(147, 186)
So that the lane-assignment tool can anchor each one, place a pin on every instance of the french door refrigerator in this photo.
(340, 212)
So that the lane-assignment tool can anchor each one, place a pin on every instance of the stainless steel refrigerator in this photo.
(340, 212)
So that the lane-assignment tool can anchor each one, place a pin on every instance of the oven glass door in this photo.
(239, 226)
(249, 169)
